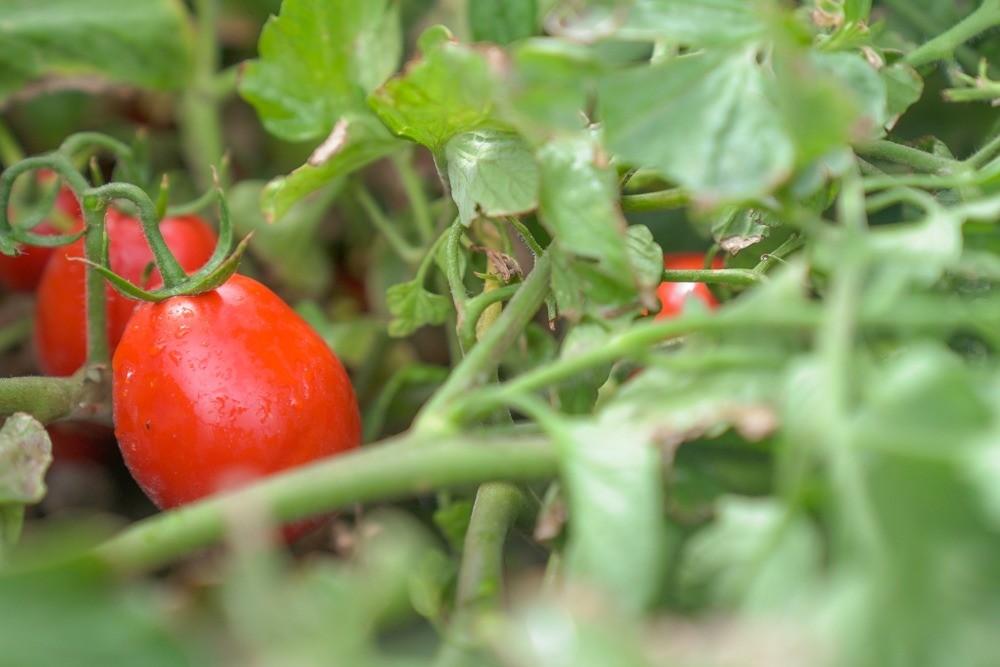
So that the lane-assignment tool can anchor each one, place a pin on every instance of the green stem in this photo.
(98, 349)
(983, 155)
(916, 17)
(76, 144)
(386, 227)
(170, 269)
(44, 398)
(200, 121)
(927, 181)
(453, 269)
(498, 506)
(835, 345)
(481, 575)
(791, 244)
(741, 277)
(482, 361)
(10, 151)
(900, 154)
(477, 305)
(401, 467)
(414, 189)
(657, 201)
(943, 47)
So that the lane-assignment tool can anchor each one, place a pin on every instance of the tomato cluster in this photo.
(208, 391)
(60, 314)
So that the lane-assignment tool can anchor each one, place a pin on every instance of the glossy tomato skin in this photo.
(60, 313)
(674, 296)
(23, 272)
(214, 390)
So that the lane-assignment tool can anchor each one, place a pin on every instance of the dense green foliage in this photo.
(470, 202)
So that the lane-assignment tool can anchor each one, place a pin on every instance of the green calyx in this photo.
(216, 271)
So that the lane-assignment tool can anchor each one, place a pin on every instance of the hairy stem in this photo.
(484, 358)
(904, 155)
(742, 277)
(200, 121)
(657, 201)
(405, 466)
(44, 398)
(943, 47)
(481, 576)
(413, 187)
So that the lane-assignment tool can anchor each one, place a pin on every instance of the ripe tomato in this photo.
(60, 313)
(673, 296)
(214, 390)
(22, 272)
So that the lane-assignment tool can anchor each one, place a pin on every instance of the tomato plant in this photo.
(23, 272)
(60, 343)
(807, 475)
(214, 390)
(674, 295)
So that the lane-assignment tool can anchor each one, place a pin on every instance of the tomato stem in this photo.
(481, 575)
(943, 47)
(170, 269)
(400, 467)
(743, 277)
(10, 151)
(98, 348)
(905, 155)
(414, 189)
(44, 398)
(201, 124)
(484, 358)
(656, 201)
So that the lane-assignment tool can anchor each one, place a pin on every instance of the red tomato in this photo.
(674, 296)
(60, 313)
(214, 390)
(22, 272)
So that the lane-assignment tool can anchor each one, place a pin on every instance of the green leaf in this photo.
(411, 307)
(25, 455)
(903, 88)
(502, 21)
(146, 43)
(453, 522)
(851, 73)
(741, 229)
(445, 91)
(491, 172)
(356, 141)
(573, 630)
(578, 205)
(645, 256)
(672, 407)
(318, 60)
(757, 556)
(579, 394)
(618, 536)
(75, 615)
(697, 23)
(550, 87)
(701, 120)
